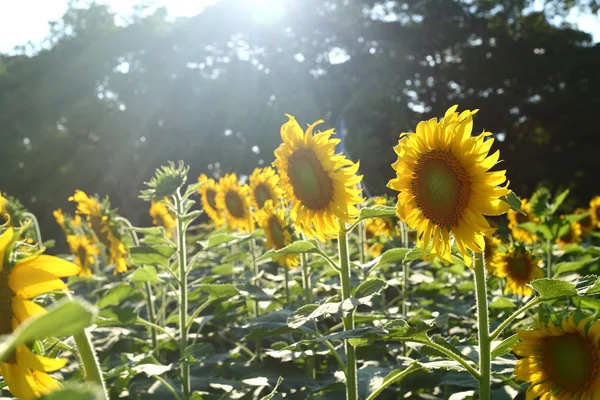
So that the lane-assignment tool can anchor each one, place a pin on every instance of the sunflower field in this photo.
(291, 284)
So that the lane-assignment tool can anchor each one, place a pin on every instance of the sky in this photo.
(22, 21)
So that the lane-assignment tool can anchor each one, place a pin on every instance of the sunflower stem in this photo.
(405, 299)
(183, 300)
(351, 381)
(483, 327)
(258, 343)
(286, 282)
(494, 335)
(548, 259)
(91, 366)
(310, 363)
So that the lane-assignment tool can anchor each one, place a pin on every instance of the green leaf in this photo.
(225, 269)
(401, 330)
(145, 274)
(117, 295)
(218, 239)
(152, 369)
(570, 266)
(393, 377)
(274, 391)
(340, 308)
(539, 202)
(502, 302)
(377, 211)
(298, 247)
(152, 231)
(558, 200)
(505, 346)
(368, 332)
(513, 201)
(151, 255)
(391, 256)
(548, 289)
(253, 292)
(65, 318)
(75, 392)
(369, 288)
(219, 291)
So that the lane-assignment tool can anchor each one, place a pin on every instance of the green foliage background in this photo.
(104, 103)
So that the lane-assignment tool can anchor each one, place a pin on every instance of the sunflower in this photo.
(445, 186)
(595, 211)
(515, 218)
(378, 228)
(561, 362)
(277, 232)
(264, 186)
(209, 192)
(233, 200)
(586, 224)
(570, 235)
(519, 268)
(26, 372)
(162, 216)
(84, 251)
(3, 203)
(491, 247)
(322, 186)
(60, 219)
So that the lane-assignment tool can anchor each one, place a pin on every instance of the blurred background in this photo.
(96, 95)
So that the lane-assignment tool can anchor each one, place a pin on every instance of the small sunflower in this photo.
(3, 203)
(515, 218)
(20, 281)
(491, 247)
(233, 200)
(570, 235)
(84, 251)
(445, 185)
(322, 186)
(277, 232)
(586, 224)
(519, 268)
(376, 228)
(264, 186)
(118, 254)
(60, 219)
(561, 362)
(162, 216)
(595, 211)
(208, 193)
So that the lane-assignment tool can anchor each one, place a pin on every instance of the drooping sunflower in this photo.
(515, 218)
(233, 201)
(162, 216)
(84, 251)
(586, 224)
(20, 281)
(277, 232)
(595, 211)
(445, 185)
(562, 362)
(570, 235)
(208, 193)
(321, 186)
(264, 186)
(519, 268)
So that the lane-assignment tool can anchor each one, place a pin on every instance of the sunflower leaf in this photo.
(369, 288)
(75, 392)
(222, 238)
(548, 289)
(298, 247)
(66, 318)
(539, 203)
(217, 291)
(513, 201)
(274, 391)
(558, 200)
(393, 377)
(570, 266)
(151, 255)
(391, 256)
(369, 333)
(505, 346)
(377, 211)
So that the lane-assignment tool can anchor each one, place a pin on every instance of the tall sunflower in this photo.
(515, 218)
(562, 362)
(277, 232)
(233, 201)
(20, 281)
(162, 216)
(264, 186)
(321, 186)
(208, 193)
(84, 251)
(519, 268)
(570, 235)
(445, 185)
(595, 211)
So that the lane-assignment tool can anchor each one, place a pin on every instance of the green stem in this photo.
(362, 241)
(351, 381)
(93, 372)
(512, 317)
(255, 271)
(483, 328)
(306, 279)
(151, 311)
(183, 300)
(549, 259)
(405, 308)
(398, 376)
(286, 274)
(450, 354)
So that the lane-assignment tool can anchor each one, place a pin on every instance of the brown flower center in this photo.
(441, 187)
(210, 198)
(311, 183)
(262, 194)
(234, 204)
(277, 233)
(569, 360)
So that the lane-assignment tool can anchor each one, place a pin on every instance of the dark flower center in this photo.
(569, 360)
(311, 183)
(234, 204)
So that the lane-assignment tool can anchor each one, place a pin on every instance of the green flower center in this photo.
(262, 194)
(441, 187)
(211, 198)
(569, 360)
(234, 204)
(277, 233)
(5, 304)
(311, 183)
